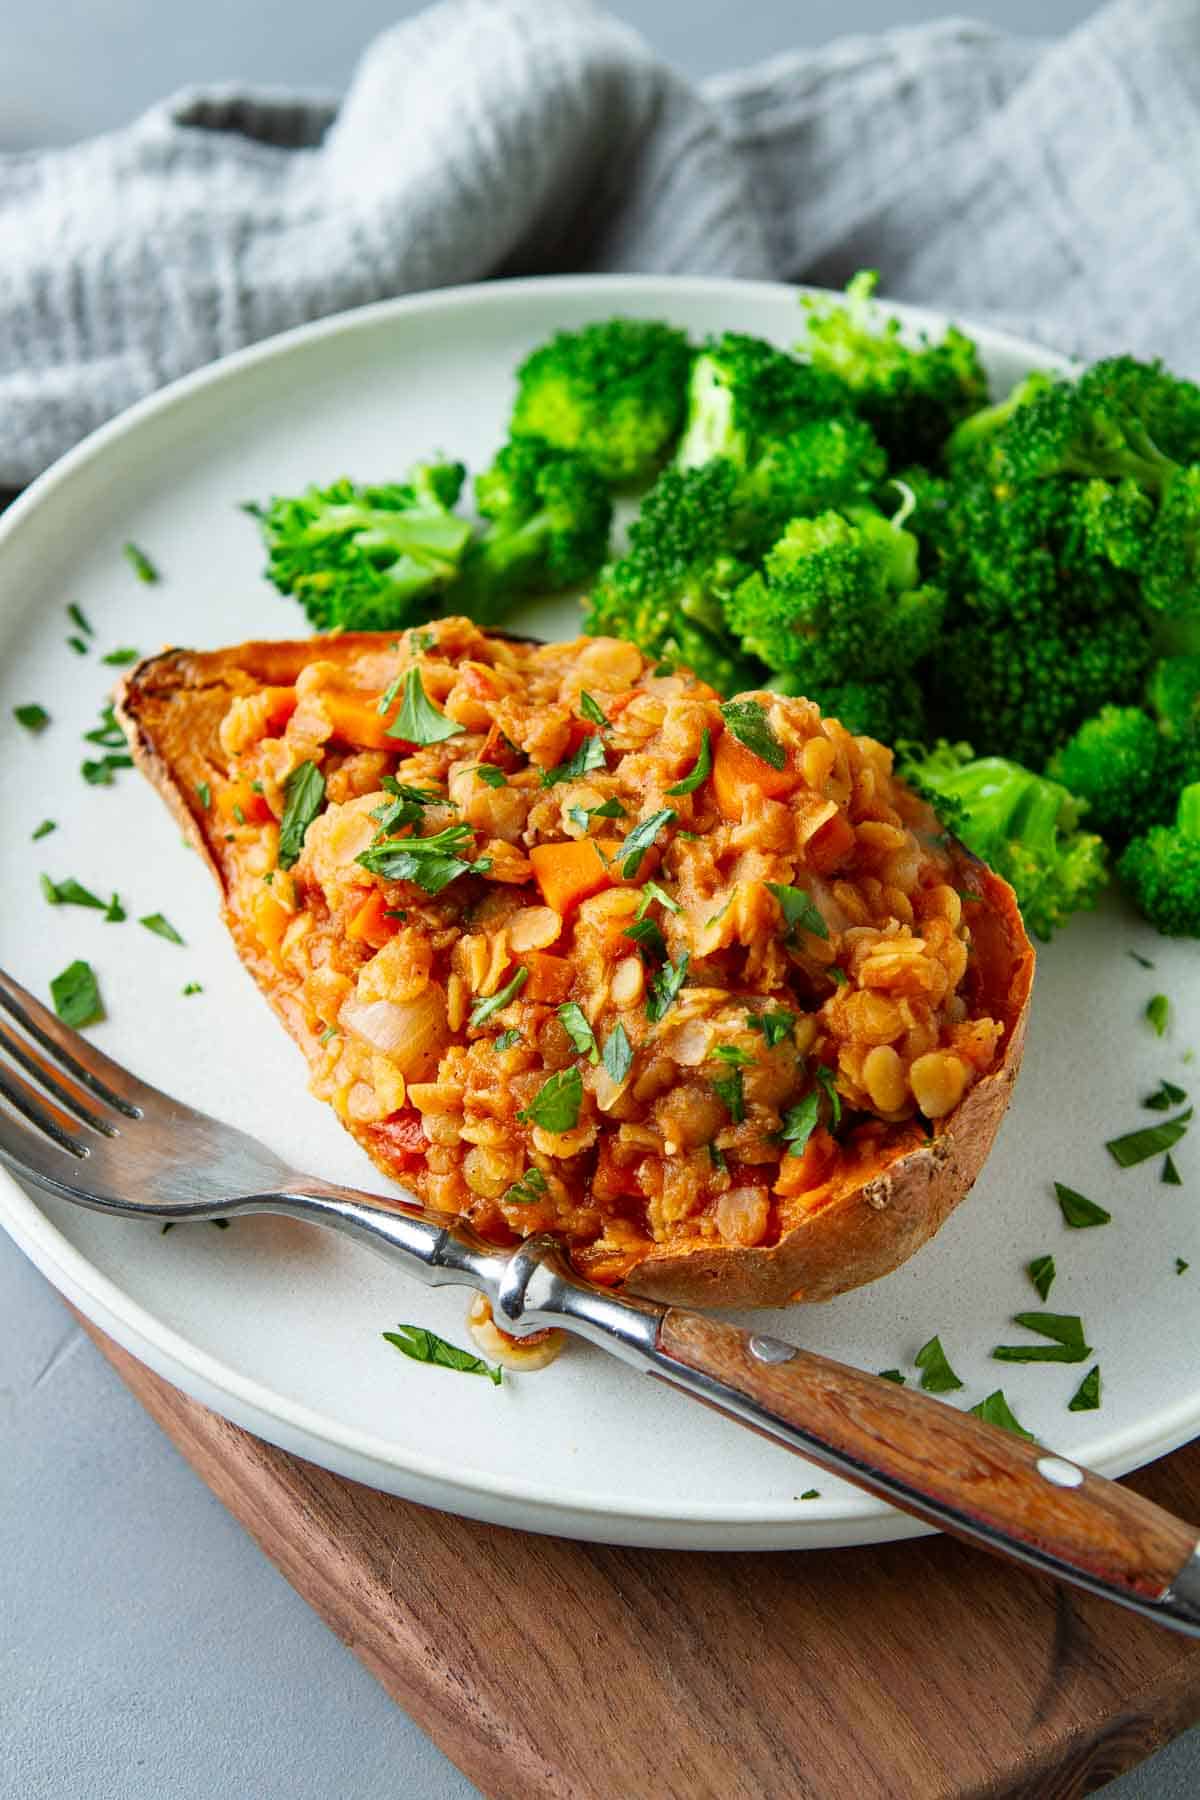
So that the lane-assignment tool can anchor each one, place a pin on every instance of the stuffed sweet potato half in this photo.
(569, 946)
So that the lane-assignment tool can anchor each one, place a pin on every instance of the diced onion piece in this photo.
(412, 1032)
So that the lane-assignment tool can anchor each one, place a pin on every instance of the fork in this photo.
(76, 1123)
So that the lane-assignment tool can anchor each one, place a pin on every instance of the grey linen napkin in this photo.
(1049, 186)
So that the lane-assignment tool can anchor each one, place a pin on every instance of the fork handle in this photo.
(973, 1479)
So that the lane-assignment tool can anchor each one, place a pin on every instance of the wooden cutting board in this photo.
(550, 1670)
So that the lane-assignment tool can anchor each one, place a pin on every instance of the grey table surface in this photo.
(148, 1651)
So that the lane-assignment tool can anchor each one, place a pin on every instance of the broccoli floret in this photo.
(1115, 522)
(888, 710)
(1173, 695)
(614, 391)
(1117, 762)
(1025, 826)
(548, 514)
(1021, 692)
(745, 394)
(665, 593)
(976, 430)
(838, 600)
(367, 558)
(1170, 569)
(825, 463)
(1093, 427)
(912, 395)
(1162, 870)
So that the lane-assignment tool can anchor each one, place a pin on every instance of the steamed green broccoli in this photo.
(824, 463)
(1093, 428)
(665, 593)
(367, 558)
(1021, 692)
(548, 514)
(1161, 870)
(1170, 565)
(1173, 695)
(912, 395)
(889, 709)
(614, 391)
(838, 600)
(971, 435)
(1117, 763)
(1025, 826)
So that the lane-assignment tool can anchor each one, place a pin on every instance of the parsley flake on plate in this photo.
(161, 927)
(76, 996)
(427, 1347)
(995, 1410)
(937, 1377)
(1041, 1272)
(1078, 1211)
(141, 565)
(32, 716)
(1086, 1397)
(1065, 1330)
(1151, 1140)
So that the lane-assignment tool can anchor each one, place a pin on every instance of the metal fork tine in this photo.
(54, 1084)
(30, 1105)
(99, 1074)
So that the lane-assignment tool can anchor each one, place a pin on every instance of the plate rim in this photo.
(759, 1523)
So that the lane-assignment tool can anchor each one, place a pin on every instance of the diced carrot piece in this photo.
(271, 920)
(238, 797)
(370, 924)
(569, 872)
(799, 1174)
(737, 770)
(829, 844)
(282, 706)
(550, 977)
(356, 720)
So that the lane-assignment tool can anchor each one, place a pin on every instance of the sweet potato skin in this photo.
(171, 706)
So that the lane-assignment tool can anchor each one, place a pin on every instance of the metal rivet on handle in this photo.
(1061, 1473)
(771, 1350)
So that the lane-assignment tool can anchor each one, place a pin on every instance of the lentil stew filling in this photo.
(674, 978)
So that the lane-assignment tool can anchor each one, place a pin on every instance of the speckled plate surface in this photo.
(277, 1326)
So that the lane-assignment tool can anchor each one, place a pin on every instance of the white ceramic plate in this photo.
(277, 1326)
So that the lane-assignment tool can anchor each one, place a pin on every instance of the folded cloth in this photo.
(1046, 186)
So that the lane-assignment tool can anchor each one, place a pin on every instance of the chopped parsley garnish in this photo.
(701, 769)
(204, 794)
(419, 721)
(1068, 1344)
(32, 716)
(141, 565)
(77, 645)
(937, 1377)
(44, 829)
(734, 1055)
(1165, 1097)
(828, 1081)
(1170, 1174)
(608, 809)
(811, 1494)
(798, 908)
(427, 1347)
(838, 976)
(303, 796)
(652, 892)
(1078, 1211)
(1152, 1140)
(776, 1025)
(1181, 1267)
(893, 1375)
(191, 987)
(555, 1107)
(161, 927)
(592, 711)
(729, 1090)
(70, 893)
(483, 1010)
(640, 839)
(995, 1410)
(490, 775)
(588, 757)
(800, 1121)
(1139, 958)
(526, 1192)
(387, 699)
(419, 642)
(119, 658)
(239, 815)
(108, 733)
(330, 1032)
(432, 862)
(79, 617)
(1086, 1397)
(99, 772)
(664, 988)
(648, 937)
(76, 996)
(575, 1024)
(1041, 1272)
(114, 912)
(406, 807)
(1158, 1012)
(748, 721)
(618, 1054)
(506, 1040)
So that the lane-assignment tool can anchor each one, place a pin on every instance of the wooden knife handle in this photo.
(981, 1482)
